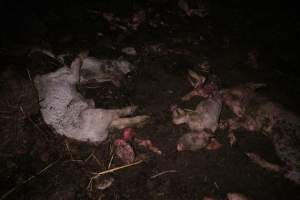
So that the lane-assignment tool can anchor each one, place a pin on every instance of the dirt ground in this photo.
(37, 163)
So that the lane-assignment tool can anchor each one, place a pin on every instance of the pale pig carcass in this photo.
(94, 69)
(205, 116)
(197, 140)
(257, 113)
(70, 114)
(203, 122)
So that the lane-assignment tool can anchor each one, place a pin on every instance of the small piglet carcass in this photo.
(70, 114)
(202, 122)
(205, 116)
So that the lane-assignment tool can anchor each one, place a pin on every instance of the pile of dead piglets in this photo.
(65, 110)
(70, 114)
(252, 112)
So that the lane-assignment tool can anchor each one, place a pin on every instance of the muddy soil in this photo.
(37, 163)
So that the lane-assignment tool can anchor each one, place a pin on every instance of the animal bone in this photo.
(70, 114)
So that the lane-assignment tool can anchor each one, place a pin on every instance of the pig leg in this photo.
(255, 86)
(263, 163)
(124, 111)
(233, 124)
(104, 78)
(91, 103)
(75, 68)
(190, 95)
(247, 123)
(129, 122)
(232, 138)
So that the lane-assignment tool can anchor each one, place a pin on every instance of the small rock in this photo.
(104, 183)
(129, 51)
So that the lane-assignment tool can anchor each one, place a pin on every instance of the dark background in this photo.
(224, 38)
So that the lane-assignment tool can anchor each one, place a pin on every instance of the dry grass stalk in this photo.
(162, 173)
(110, 161)
(69, 150)
(90, 185)
(117, 168)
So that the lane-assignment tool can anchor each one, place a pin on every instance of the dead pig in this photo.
(94, 69)
(259, 114)
(203, 122)
(196, 141)
(205, 116)
(70, 114)
(238, 97)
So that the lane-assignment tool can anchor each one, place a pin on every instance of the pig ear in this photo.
(199, 80)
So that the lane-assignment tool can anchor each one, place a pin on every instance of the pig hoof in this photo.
(179, 147)
(232, 139)
(223, 125)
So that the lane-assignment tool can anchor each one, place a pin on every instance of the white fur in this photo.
(69, 113)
